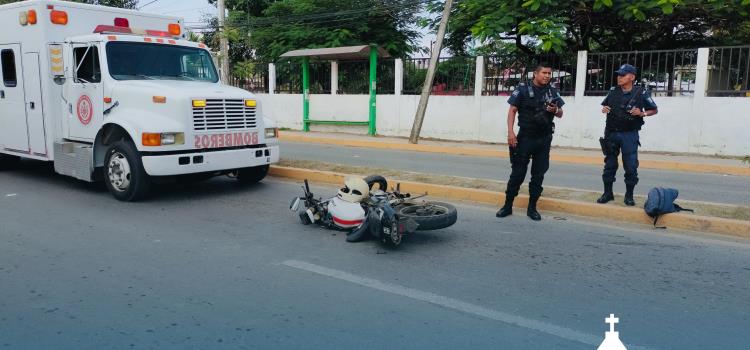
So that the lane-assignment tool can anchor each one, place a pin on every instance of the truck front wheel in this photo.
(252, 175)
(123, 172)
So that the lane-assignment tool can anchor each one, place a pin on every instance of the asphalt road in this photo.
(216, 266)
(693, 186)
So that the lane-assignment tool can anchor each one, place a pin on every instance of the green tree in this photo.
(602, 25)
(126, 4)
(265, 29)
(244, 69)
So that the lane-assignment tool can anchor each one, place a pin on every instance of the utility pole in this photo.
(427, 87)
(223, 44)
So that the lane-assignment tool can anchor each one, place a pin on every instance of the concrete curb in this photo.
(684, 221)
(464, 151)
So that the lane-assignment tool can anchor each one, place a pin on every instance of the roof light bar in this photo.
(112, 29)
(119, 28)
(157, 33)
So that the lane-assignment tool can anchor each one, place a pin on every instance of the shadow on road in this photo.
(163, 189)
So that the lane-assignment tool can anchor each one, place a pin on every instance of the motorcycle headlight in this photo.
(294, 206)
(272, 133)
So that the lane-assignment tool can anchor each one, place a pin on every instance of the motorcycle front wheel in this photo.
(430, 215)
(391, 236)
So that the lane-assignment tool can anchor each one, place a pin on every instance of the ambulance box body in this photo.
(121, 96)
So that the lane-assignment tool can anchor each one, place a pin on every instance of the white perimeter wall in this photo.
(705, 125)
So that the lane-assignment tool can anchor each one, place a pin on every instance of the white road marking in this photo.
(548, 328)
(11, 195)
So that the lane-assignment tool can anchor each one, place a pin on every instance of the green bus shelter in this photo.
(336, 54)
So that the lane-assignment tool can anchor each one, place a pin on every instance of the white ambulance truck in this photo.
(120, 95)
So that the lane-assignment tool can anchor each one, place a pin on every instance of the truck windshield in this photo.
(144, 61)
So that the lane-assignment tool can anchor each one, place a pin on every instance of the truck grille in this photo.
(224, 115)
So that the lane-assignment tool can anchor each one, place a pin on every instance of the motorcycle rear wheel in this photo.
(430, 215)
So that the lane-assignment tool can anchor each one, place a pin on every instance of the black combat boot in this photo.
(507, 209)
(531, 211)
(607, 195)
(629, 201)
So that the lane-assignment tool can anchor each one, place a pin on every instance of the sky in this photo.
(191, 10)
(194, 10)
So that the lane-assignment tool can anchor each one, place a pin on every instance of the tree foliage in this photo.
(601, 25)
(265, 29)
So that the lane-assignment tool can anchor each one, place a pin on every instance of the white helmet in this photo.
(355, 190)
(346, 214)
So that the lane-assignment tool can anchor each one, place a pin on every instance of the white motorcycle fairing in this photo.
(346, 214)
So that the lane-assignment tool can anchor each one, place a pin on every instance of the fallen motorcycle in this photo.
(364, 208)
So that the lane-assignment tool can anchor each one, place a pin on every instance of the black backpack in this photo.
(660, 201)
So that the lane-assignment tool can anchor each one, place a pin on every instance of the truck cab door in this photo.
(84, 93)
(14, 131)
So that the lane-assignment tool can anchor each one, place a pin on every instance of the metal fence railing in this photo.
(320, 77)
(454, 76)
(288, 77)
(254, 80)
(502, 74)
(663, 72)
(729, 71)
(386, 77)
(354, 77)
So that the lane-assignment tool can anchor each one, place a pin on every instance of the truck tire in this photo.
(8, 161)
(123, 172)
(430, 215)
(247, 176)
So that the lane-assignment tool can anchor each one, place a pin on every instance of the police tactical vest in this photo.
(619, 118)
(533, 117)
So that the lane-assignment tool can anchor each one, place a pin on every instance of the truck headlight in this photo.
(163, 139)
(272, 133)
(173, 138)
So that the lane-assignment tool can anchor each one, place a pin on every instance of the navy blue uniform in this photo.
(534, 137)
(622, 131)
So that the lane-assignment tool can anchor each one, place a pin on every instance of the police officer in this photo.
(537, 104)
(626, 105)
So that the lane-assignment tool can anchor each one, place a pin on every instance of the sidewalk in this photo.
(687, 163)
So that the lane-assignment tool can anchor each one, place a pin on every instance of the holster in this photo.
(608, 147)
(513, 151)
